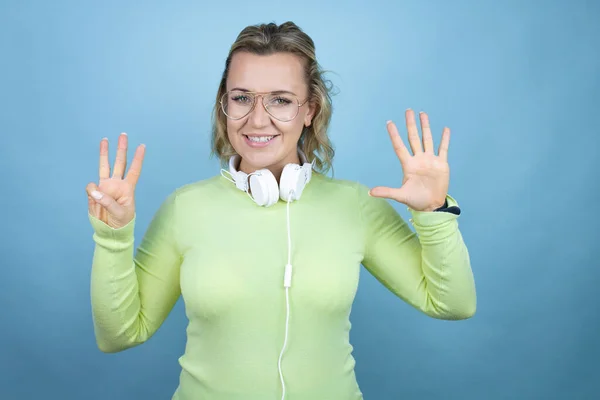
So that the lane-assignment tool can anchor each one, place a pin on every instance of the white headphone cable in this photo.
(287, 282)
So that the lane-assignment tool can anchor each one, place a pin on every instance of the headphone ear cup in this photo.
(241, 180)
(263, 188)
(291, 183)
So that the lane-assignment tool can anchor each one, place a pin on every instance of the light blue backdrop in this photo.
(518, 83)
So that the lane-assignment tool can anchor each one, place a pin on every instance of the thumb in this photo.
(105, 201)
(388, 193)
(93, 207)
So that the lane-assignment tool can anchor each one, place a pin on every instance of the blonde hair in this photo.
(266, 39)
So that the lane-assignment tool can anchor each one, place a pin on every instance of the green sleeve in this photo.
(132, 295)
(430, 268)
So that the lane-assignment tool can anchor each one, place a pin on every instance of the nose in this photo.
(259, 117)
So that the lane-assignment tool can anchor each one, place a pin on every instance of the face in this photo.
(277, 72)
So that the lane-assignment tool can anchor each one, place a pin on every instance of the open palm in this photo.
(426, 175)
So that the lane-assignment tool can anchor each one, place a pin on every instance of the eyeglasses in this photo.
(237, 104)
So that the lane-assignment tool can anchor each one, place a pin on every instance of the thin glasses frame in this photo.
(262, 95)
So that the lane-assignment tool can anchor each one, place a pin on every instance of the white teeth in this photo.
(260, 139)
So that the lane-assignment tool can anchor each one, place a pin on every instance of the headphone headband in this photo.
(263, 184)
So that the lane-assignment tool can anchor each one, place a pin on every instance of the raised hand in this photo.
(426, 176)
(112, 199)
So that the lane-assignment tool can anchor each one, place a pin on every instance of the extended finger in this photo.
(104, 165)
(413, 132)
(427, 137)
(136, 165)
(444, 144)
(399, 147)
(121, 159)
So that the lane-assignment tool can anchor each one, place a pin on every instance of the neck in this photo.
(276, 169)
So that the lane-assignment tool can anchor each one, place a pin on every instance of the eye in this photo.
(241, 98)
(280, 101)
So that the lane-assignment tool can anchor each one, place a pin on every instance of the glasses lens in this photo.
(237, 104)
(281, 106)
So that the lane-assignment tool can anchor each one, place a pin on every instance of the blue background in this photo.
(518, 84)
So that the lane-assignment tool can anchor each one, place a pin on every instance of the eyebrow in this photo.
(274, 91)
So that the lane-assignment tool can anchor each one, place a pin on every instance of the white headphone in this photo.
(263, 185)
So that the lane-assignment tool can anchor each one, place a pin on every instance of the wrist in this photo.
(443, 206)
(436, 207)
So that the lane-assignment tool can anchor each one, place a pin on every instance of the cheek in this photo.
(291, 129)
(233, 127)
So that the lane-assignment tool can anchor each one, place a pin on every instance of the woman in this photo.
(267, 254)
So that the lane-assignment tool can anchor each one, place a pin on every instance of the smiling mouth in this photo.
(260, 139)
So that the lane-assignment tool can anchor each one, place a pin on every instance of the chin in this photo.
(259, 155)
(259, 160)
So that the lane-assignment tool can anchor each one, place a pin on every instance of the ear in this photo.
(310, 114)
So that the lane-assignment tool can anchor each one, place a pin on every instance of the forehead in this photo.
(280, 71)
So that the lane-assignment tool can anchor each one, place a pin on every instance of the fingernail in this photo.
(96, 194)
(387, 122)
(370, 193)
(124, 133)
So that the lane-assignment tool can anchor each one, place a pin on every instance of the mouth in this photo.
(259, 141)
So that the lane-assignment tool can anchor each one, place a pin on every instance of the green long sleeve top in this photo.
(225, 255)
